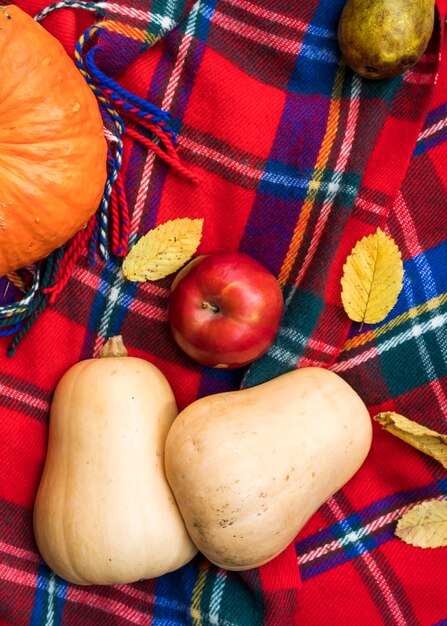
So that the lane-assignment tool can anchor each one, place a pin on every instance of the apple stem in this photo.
(207, 305)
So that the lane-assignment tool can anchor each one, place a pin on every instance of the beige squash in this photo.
(104, 512)
(248, 468)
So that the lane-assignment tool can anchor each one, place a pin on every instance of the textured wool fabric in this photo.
(297, 158)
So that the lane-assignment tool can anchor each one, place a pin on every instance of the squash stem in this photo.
(113, 347)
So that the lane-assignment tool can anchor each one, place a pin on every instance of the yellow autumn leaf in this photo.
(372, 278)
(163, 250)
(420, 437)
(424, 525)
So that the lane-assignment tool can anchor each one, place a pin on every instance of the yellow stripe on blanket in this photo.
(132, 32)
(314, 185)
(414, 312)
(197, 595)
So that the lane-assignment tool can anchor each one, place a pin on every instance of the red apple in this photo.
(225, 309)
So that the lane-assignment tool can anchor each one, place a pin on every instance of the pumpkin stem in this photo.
(113, 347)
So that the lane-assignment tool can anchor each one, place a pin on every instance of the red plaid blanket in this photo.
(297, 158)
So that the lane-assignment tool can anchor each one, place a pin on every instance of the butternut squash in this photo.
(248, 468)
(104, 512)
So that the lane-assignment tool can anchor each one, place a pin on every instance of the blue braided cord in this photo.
(111, 178)
(103, 230)
(98, 82)
(93, 244)
(94, 240)
(10, 330)
(108, 121)
(112, 168)
(119, 130)
(119, 92)
(11, 313)
(67, 4)
(36, 300)
(115, 117)
(111, 161)
(51, 266)
(28, 322)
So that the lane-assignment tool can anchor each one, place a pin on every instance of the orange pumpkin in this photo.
(52, 147)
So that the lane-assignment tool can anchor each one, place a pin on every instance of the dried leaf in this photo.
(372, 278)
(424, 525)
(420, 437)
(163, 250)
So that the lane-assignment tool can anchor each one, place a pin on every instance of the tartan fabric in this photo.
(297, 159)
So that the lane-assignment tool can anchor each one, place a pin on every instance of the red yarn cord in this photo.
(120, 220)
(74, 249)
(159, 132)
(124, 214)
(135, 115)
(119, 208)
(171, 157)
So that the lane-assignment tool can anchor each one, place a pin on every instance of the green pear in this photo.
(384, 38)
